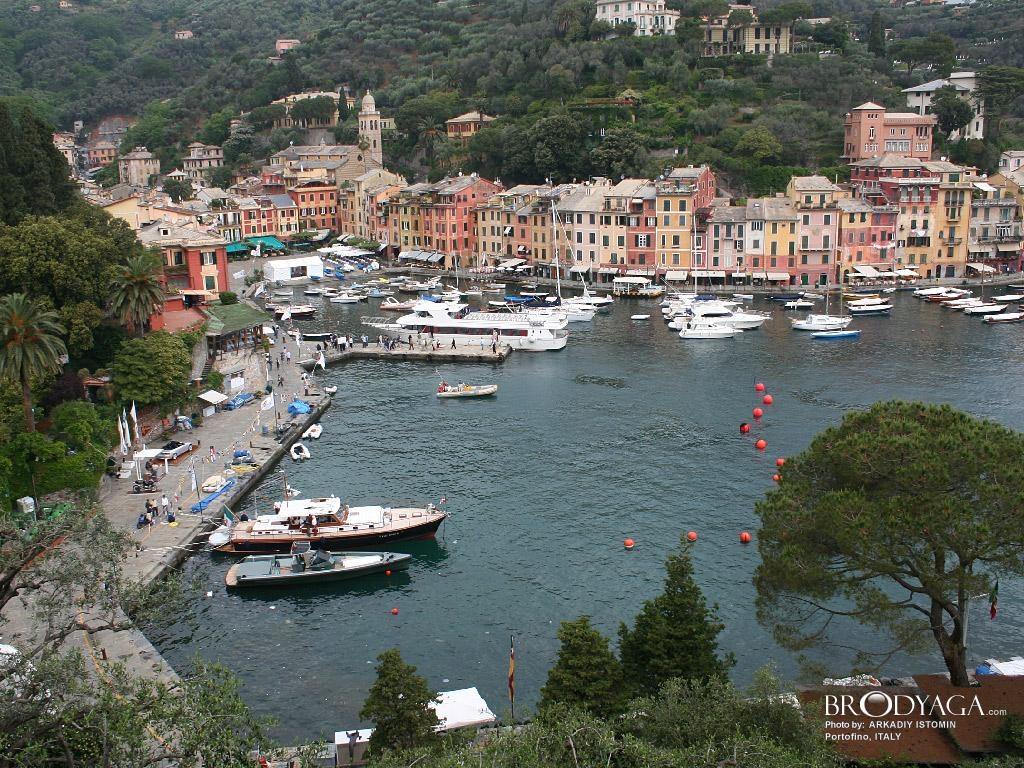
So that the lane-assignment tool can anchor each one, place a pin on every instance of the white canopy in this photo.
(981, 267)
(777, 276)
(865, 270)
(213, 397)
(511, 263)
(580, 268)
(147, 453)
(461, 709)
(676, 275)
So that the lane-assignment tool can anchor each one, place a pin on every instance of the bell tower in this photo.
(369, 129)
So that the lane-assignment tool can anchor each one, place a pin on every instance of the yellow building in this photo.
(678, 195)
(952, 216)
(722, 38)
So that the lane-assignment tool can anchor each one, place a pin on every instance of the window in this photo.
(209, 258)
(805, 243)
(210, 282)
(641, 241)
(807, 220)
(738, 245)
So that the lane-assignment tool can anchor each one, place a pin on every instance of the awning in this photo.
(580, 268)
(676, 275)
(213, 397)
(759, 275)
(521, 249)
(709, 273)
(865, 270)
(904, 272)
(147, 453)
(980, 267)
(607, 271)
(195, 292)
(641, 272)
(984, 186)
(511, 263)
(267, 241)
(435, 257)
(777, 276)
(1007, 246)
(741, 275)
(237, 248)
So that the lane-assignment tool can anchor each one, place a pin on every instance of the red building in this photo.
(195, 261)
(447, 215)
(318, 204)
(870, 131)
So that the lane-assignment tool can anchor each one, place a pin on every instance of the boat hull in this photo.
(332, 540)
(482, 391)
(276, 571)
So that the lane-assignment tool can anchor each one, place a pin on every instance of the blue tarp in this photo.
(298, 406)
(202, 504)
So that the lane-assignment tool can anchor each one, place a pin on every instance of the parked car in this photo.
(174, 449)
(239, 400)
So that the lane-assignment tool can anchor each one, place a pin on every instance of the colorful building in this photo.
(815, 199)
(195, 262)
(679, 194)
(464, 127)
(870, 131)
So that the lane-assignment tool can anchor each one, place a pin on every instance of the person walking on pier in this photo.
(453, 343)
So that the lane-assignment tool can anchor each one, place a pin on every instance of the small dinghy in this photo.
(835, 335)
(304, 565)
(444, 389)
(639, 317)
(314, 431)
(330, 389)
(299, 452)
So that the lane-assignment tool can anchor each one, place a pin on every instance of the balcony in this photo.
(987, 203)
(1009, 237)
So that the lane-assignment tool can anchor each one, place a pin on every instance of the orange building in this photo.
(870, 131)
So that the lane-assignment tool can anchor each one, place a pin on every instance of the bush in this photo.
(228, 297)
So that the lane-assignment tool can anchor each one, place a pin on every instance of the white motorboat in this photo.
(1004, 317)
(447, 322)
(299, 452)
(296, 312)
(603, 303)
(743, 296)
(330, 292)
(848, 333)
(330, 389)
(962, 303)
(798, 304)
(446, 390)
(314, 432)
(699, 328)
(282, 292)
(346, 298)
(1009, 298)
(814, 322)
(639, 317)
(871, 309)
(391, 304)
(984, 309)
(313, 290)
(870, 301)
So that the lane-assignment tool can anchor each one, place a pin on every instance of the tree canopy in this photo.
(34, 177)
(154, 370)
(398, 706)
(586, 674)
(951, 112)
(894, 519)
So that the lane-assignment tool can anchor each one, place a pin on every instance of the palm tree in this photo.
(137, 291)
(31, 345)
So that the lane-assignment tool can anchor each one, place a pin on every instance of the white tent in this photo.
(294, 271)
(213, 397)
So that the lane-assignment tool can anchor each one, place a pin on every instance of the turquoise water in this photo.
(629, 432)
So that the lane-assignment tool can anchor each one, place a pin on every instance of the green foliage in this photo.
(952, 112)
(214, 380)
(136, 292)
(892, 519)
(1011, 732)
(217, 128)
(154, 370)
(935, 49)
(675, 634)
(33, 174)
(876, 35)
(80, 426)
(397, 704)
(622, 152)
(586, 674)
(319, 108)
(30, 345)
(228, 297)
(108, 175)
(178, 189)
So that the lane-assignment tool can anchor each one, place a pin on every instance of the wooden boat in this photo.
(444, 389)
(391, 304)
(835, 335)
(304, 566)
(299, 452)
(326, 524)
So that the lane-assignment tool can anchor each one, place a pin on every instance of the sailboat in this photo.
(575, 311)
(825, 322)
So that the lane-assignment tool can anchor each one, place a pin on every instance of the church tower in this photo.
(369, 129)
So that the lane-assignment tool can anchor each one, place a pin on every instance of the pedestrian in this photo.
(165, 505)
(494, 348)
(288, 355)
(410, 341)
(280, 381)
(213, 454)
(171, 515)
(453, 343)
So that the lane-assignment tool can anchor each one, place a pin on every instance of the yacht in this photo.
(452, 321)
(699, 328)
(815, 322)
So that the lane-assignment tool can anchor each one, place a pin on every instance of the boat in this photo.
(868, 301)
(451, 321)
(314, 431)
(313, 290)
(375, 292)
(391, 304)
(329, 292)
(822, 322)
(331, 389)
(638, 287)
(445, 390)
(1004, 317)
(847, 333)
(798, 304)
(304, 565)
(871, 309)
(295, 312)
(282, 292)
(327, 524)
(639, 317)
(319, 336)
(346, 298)
(299, 452)
(984, 309)
(784, 296)
(213, 483)
(1009, 298)
(743, 296)
(699, 328)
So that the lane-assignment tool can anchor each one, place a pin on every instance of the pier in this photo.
(467, 353)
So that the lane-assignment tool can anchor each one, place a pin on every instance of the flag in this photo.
(259, 290)
(268, 403)
(127, 431)
(993, 600)
(239, 274)
(122, 440)
(135, 422)
(287, 314)
(512, 670)
(321, 361)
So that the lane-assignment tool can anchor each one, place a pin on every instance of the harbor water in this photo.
(628, 432)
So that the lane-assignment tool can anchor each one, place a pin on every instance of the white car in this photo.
(174, 449)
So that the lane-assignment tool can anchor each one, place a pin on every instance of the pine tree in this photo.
(674, 635)
(876, 35)
(587, 674)
(398, 706)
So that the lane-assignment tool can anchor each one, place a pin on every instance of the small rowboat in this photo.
(639, 317)
(330, 389)
(466, 390)
(834, 335)
(304, 567)
(314, 431)
(299, 452)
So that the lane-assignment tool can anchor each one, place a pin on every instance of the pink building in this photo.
(447, 215)
(815, 200)
(870, 131)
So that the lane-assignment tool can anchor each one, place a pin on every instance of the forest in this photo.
(548, 71)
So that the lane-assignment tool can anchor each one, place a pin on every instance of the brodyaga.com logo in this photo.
(881, 704)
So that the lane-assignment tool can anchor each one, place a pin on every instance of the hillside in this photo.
(525, 60)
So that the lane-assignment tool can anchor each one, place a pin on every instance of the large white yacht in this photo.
(448, 321)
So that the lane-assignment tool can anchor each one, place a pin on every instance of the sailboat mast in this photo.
(558, 265)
